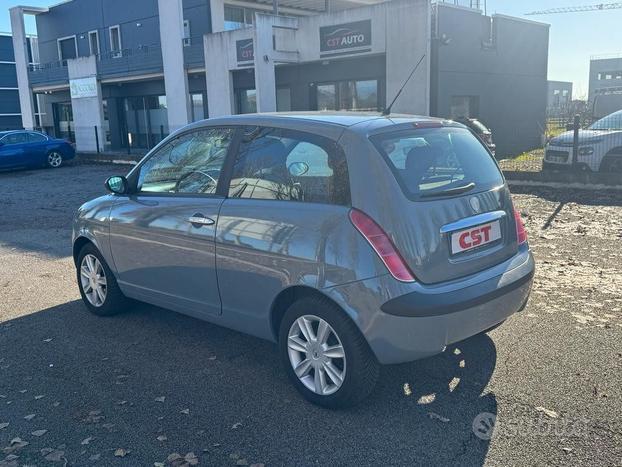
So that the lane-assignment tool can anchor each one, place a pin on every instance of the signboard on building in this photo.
(351, 37)
(244, 50)
(83, 87)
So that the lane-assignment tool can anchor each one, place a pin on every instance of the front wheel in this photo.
(55, 159)
(324, 354)
(98, 287)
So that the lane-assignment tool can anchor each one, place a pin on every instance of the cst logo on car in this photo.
(474, 237)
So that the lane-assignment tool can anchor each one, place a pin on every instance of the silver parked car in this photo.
(350, 240)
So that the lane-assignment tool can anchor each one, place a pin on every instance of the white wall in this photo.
(18, 32)
(175, 76)
(88, 114)
(400, 29)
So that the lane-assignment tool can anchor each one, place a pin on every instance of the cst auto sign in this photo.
(83, 87)
(345, 36)
(244, 50)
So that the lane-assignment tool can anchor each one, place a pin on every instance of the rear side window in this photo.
(36, 137)
(431, 161)
(287, 165)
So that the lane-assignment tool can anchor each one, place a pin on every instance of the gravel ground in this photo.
(152, 386)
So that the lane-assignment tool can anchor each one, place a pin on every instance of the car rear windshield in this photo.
(438, 161)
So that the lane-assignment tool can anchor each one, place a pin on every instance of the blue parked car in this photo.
(27, 149)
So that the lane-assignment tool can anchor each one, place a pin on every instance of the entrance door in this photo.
(162, 236)
(63, 120)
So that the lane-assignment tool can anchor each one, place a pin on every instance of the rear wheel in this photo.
(324, 354)
(55, 159)
(612, 164)
(98, 287)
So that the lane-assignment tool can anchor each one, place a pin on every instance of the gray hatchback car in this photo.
(351, 240)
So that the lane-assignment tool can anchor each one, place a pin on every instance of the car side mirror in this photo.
(117, 184)
(298, 169)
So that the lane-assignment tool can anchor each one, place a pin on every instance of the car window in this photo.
(289, 165)
(430, 159)
(191, 163)
(36, 137)
(15, 138)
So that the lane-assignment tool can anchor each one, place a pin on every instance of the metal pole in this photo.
(96, 139)
(575, 140)
(275, 7)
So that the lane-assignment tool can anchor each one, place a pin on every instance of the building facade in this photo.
(605, 88)
(493, 68)
(559, 98)
(122, 75)
(10, 112)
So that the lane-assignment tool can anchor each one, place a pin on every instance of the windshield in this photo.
(610, 122)
(438, 160)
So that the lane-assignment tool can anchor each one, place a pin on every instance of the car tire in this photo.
(91, 268)
(54, 159)
(612, 163)
(358, 369)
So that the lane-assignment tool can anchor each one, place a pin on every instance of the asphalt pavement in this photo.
(152, 386)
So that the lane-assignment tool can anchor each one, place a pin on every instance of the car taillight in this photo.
(382, 245)
(521, 233)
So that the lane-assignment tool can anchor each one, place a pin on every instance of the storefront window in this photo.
(283, 100)
(247, 101)
(198, 109)
(326, 97)
(348, 95)
(238, 17)
(146, 120)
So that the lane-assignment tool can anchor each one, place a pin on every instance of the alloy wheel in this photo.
(55, 159)
(316, 355)
(93, 280)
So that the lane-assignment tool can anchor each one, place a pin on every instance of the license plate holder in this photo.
(475, 237)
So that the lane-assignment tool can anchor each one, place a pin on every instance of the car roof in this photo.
(344, 119)
(329, 123)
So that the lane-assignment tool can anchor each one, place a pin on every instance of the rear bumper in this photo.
(424, 321)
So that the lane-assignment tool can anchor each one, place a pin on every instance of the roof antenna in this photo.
(387, 111)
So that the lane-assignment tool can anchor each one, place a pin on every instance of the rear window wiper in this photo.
(449, 191)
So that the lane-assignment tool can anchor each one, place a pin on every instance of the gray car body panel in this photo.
(257, 249)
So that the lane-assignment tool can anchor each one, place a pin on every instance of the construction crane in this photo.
(577, 9)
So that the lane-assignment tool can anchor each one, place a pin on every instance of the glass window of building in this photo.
(283, 99)
(94, 43)
(198, 108)
(115, 40)
(247, 101)
(326, 97)
(348, 95)
(67, 48)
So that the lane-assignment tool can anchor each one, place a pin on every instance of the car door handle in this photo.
(199, 220)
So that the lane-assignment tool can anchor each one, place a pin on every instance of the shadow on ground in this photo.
(122, 382)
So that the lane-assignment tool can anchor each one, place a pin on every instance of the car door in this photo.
(36, 149)
(287, 199)
(162, 235)
(12, 150)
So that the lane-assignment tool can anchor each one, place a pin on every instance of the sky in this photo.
(574, 37)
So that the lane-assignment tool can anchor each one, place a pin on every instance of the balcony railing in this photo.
(144, 59)
(140, 60)
(48, 73)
